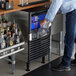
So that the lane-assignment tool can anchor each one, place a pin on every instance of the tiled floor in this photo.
(5, 68)
(46, 70)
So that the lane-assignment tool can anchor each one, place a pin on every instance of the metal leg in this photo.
(61, 44)
(73, 55)
(29, 39)
(10, 59)
(49, 55)
(43, 59)
(13, 63)
(27, 65)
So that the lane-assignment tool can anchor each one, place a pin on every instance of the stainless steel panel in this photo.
(21, 18)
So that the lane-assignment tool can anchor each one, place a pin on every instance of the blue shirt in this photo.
(63, 6)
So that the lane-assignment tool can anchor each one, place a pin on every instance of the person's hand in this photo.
(42, 22)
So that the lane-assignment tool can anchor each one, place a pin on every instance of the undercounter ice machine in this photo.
(36, 37)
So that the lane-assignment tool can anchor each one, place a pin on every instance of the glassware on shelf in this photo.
(3, 43)
(3, 0)
(26, 2)
(23, 2)
(0, 29)
(4, 4)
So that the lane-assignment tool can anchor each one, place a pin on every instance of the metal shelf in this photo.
(7, 51)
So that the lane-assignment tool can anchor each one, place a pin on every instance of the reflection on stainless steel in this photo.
(21, 18)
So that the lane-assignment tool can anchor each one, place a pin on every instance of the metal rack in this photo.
(4, 53)
(9, 51)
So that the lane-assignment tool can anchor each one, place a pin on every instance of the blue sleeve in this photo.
(54, 8)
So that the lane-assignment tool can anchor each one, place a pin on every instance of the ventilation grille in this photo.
(39, 48)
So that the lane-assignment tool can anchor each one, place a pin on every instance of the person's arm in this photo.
(52, 11)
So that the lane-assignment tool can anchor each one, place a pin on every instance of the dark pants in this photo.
(70, 37)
